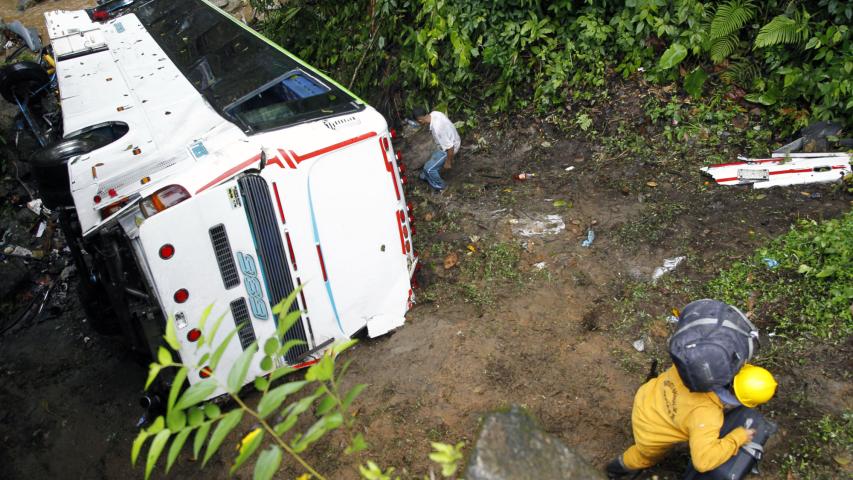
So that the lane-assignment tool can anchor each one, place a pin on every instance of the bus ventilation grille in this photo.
(271, 254)
(224, 256)
(240, 312)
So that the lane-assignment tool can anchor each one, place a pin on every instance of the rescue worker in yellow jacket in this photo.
(666, 413)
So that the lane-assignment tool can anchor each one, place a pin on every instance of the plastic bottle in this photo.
(524, 176)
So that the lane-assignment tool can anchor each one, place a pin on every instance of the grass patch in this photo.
(808, 295)
(825, 451)
(653, 225)
(486, 271)
(479, 276)
(811, 290)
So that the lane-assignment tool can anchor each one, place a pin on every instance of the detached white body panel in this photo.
(317, 203)
(789, 169)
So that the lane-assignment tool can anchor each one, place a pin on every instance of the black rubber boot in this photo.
(617, 470)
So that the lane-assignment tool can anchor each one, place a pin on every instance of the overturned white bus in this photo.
(202, 164)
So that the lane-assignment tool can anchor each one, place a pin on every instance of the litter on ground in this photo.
(590, 237)
(669, 265)
(537, 225)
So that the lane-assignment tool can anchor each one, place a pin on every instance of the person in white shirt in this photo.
(446, 139)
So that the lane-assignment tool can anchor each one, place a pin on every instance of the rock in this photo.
(740, 122)
(13, 274)
(25, 216)
(512, 447)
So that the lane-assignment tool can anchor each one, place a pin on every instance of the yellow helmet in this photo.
(754, 385)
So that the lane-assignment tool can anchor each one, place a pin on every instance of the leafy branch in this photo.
(276, 417)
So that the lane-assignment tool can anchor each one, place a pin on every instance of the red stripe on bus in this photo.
(799, 170)
(278, 201)
(390, 167)
(400, 229)
(301, 293)
(305, 364)
(322, 263)
(228, 173)
(290, 247)
(331, 148)
(286, 158)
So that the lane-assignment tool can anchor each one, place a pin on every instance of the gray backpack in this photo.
(712, 341)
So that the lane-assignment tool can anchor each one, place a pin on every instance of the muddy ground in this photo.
(555, 337)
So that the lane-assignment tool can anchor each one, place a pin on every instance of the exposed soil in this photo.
(553, 340)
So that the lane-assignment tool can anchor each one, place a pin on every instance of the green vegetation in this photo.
(519, 53)
(480, 274)
(808, 294)
(811, 290)
(830, 437)
(279, 415)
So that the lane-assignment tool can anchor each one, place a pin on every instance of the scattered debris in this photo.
(451, 260)
(782, 170)
(669, 265)
(815, 138)
(29, 35)
(37, 207)
(538, 225)
(590, 237)
(524, 176)
(540, 266)
(562, 203)
(813, 196)
(652, 184)
(546, 144)
(570, 168)
(639, 345)
(672, 319)
(770, 262)
(16, 251)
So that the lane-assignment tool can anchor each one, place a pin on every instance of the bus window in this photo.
(293, 97)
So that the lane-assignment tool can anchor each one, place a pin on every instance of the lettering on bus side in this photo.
(254, 290)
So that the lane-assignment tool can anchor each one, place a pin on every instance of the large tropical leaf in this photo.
(782, 30)
(730, 17)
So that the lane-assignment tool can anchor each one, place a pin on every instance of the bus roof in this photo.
(243, 77)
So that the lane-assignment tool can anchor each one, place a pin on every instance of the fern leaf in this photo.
(780, 30)
(730, 17)
(742, 72)
(722, 47)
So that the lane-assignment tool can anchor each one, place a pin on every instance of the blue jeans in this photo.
(431, 169)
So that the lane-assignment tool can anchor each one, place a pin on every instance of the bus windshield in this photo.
(240, 74)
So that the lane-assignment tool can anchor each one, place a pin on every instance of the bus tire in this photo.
(22, 79)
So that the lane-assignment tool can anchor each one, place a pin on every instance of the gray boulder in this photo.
(512, 447)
